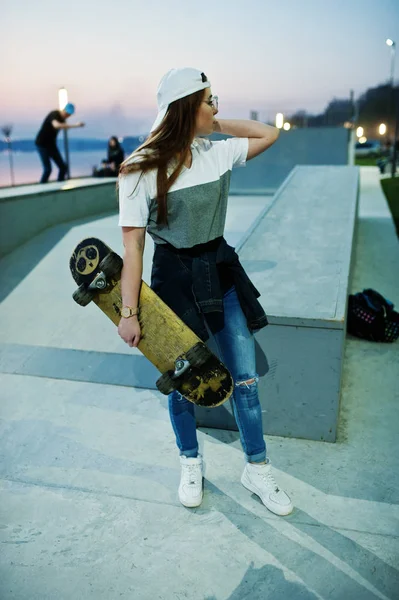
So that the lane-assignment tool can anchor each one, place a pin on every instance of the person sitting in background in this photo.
(46, 141)
(110, 166)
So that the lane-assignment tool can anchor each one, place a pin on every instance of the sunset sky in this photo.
(266, 55)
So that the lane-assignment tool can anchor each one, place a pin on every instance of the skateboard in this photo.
(185, 362)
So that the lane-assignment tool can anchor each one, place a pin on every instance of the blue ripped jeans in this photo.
(236, 347)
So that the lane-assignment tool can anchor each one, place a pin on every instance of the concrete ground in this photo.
(89, 475)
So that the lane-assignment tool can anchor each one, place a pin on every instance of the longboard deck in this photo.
(164, 335)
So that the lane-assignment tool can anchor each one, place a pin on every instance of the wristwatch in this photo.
(128, 311)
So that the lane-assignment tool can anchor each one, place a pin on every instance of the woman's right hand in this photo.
(130, 331)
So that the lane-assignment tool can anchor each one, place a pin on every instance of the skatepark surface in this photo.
(90, 470)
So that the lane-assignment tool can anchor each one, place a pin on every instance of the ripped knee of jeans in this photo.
(247, 381)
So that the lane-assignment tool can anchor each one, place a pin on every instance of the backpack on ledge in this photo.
(371, 317)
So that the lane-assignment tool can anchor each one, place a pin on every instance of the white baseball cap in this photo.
(176, 84)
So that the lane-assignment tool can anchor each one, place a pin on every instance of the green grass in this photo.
(391, 191)
(366, 162)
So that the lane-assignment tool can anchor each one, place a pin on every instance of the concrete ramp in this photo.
(309, 146)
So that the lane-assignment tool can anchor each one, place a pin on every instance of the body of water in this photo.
(28, 167)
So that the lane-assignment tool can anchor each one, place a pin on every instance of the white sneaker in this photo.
(259, 479)
(190, 488)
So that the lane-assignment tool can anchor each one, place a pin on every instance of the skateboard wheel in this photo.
(165, 383)
(82, 295)
(111, 265)
(198, 355)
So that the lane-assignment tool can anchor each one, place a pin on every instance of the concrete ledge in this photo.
(25, 211)
(299, 254)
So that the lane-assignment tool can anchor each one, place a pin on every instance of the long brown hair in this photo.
(167, 144)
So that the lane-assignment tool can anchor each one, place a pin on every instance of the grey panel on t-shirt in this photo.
(196, 214)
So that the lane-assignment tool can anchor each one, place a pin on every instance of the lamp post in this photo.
(7, 129)
(392, 45)
(62, 102)
(279, 120)
(394, 108)
(382, 129)
(359, 132)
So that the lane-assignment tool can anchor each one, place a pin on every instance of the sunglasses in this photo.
(213, 102)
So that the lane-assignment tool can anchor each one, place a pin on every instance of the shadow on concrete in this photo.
(262, 364)
(19, 263)
(267, 582)
(109, 368)
(381, 575)
(38, 444)
(324, 575)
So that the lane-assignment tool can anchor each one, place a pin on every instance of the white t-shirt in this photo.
(196, 202)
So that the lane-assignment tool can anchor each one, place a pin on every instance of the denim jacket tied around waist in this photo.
(187, 280)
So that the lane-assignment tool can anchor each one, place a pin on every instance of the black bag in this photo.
(371, 317)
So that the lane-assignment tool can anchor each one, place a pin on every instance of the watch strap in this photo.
(132, 311)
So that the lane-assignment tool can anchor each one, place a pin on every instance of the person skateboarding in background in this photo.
(176, 186)
(46, 141)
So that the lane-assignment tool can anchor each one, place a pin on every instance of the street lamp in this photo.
(7, 129)
(382, 129)
(62, 98)
(359, 132)
(287, 126)
(62, 102)
(279, 120)
(394, 109)
(392, 45)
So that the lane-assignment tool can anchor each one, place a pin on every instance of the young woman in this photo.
(175, 186)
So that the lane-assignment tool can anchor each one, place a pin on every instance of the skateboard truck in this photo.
(99, 282)
(181, 366)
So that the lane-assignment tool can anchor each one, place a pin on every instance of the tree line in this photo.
(377, 105)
